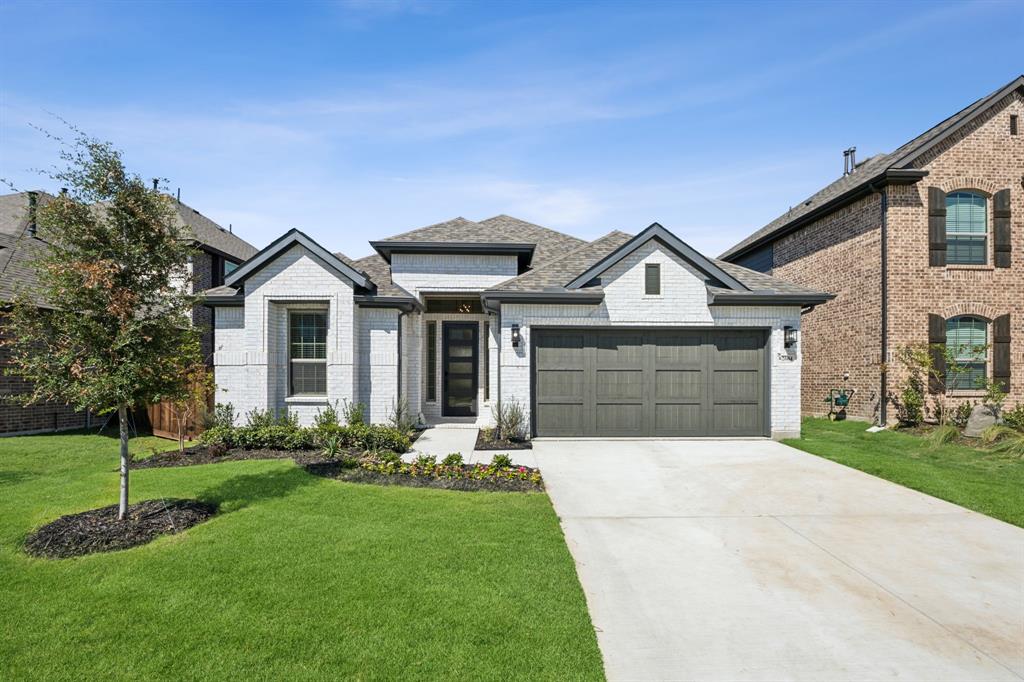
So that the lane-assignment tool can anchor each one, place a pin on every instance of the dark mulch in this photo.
(201, 454)
(98, 530)
(357, 475)
(484, 444)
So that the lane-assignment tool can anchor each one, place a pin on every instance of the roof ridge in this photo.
(541, 227)
(552, 263)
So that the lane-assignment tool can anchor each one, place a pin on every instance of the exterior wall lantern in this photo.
(789, 336)
(516, 337)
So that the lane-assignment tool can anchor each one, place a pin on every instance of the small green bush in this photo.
(326, 418)
(220, 435)
(452, 460)
(332, 446)
(962, 413)
(910, 406)
(401, 419)
(509, 420)
(426, 461)
(1015, 418)
(353, 413)
(385, 438)
(501, 461)
(223, 415)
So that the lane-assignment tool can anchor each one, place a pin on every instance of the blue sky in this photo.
(357, 120)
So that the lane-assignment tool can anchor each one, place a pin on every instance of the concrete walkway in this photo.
(749, 560)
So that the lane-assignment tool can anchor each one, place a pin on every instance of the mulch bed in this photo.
(201, 454)
(356, 475)
(98, 530)
(484, 444)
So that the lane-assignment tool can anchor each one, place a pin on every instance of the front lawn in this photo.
(987, 482)
(298, 576)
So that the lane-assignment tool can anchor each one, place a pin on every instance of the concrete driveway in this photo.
(749, 560)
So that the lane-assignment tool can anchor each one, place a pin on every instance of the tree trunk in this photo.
(122, 418)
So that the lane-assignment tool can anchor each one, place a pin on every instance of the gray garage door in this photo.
(636, 382)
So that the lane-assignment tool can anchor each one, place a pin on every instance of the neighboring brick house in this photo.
(219, 251)
(924, 244)
(622, 336)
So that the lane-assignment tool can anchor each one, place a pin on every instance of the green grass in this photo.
(988, 482)
(298, 577)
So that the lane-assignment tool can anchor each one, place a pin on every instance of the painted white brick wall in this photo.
(250, 358)
(377, 361)
(450, 272)
(683, 303)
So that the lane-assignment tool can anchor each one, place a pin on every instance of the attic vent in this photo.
(1013, 124)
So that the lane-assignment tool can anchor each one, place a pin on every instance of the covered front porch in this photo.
(452, 375)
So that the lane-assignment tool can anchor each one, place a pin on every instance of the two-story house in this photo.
(921, 245)
(218, 252)
(621, 336)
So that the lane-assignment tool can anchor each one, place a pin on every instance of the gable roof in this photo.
(552, 279)
(513, 234)
(669, 240)
(342, 266)
(896, 167)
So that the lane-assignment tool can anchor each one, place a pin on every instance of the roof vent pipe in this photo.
(32, 228)
(846, 162)
(179, 195)
(156, 184)
(853, 159)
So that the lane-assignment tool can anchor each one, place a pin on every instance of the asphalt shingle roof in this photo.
(17, 249)
(902, 157)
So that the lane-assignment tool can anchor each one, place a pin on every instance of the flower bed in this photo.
(425, 473)
(98, 530)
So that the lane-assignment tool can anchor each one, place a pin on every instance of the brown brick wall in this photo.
(984, 157)
(840, 253)
(16, 418)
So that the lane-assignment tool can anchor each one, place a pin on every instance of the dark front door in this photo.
(460, 361)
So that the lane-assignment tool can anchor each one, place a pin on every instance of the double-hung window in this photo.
(966, 228)
(967, 344)
(307, 353)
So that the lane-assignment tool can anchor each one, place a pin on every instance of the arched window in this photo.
(966, 228)
(967, 343)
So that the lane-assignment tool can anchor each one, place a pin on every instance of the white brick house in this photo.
(623, 336)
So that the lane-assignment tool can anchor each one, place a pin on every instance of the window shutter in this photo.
(1001, 351)
(937, 348)
(1001, 225)
(936, 227)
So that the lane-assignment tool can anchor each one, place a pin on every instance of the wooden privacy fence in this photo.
(163, 417)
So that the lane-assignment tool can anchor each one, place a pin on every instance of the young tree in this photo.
(189, 403)
(116, 331)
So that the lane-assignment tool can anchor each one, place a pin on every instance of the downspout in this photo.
(883, 376)
(398, 393)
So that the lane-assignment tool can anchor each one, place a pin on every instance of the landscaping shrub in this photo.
(946, 433)
(326, 418)
(910, 406)
(509, 420)
(221, 435)
(962, 413)
(384, 438)
(353, 413)
(401, 419)
(502, 461)
(1015, 418)
(332, 446)
(452, 460)
(392, 464)
(426, 461)
(223, 415)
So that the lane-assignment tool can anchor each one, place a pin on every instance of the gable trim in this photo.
(283, 243)
(669, 240)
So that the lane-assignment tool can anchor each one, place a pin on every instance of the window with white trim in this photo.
(307, 352)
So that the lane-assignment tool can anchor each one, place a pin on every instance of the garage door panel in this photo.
(561, 419)
(678, 418)
(559, 351)
(619, 419)
(735, 420)
(622, 384)
(678, 384)
(678, 349)
(561, 383)
(737, 386)
(619, 349)
(637, 382)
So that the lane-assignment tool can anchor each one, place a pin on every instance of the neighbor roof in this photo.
(211, 235)
(896, 167)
